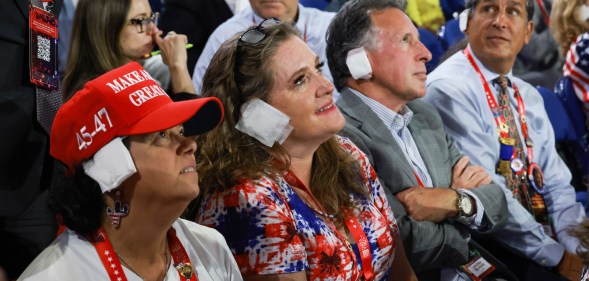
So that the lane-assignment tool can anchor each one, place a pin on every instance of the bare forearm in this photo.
(401, 269)
(429, 204)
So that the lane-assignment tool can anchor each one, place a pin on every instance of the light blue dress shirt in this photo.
(456, 90)
(311, 21)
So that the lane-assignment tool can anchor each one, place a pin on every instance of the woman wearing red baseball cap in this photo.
(131, 173)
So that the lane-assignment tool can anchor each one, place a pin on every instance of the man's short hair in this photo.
(352, 28)
(472, 4)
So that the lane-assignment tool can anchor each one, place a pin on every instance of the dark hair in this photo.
(239, 72)
(77, 202)
(94, 48)
(352, 28)
(472, 4)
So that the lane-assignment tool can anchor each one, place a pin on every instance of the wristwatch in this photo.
(464, 205)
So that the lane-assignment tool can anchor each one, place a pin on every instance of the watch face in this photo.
(466, 205)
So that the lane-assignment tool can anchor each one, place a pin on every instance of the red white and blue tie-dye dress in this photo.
(270, 230)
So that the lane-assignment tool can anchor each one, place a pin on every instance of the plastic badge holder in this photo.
(43, 48)
(263, 122)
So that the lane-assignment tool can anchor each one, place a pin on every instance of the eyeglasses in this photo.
(255, 34)
(144, 24)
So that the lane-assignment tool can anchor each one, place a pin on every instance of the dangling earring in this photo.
(120, 210)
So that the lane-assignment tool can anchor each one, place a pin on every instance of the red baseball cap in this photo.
(125, 101)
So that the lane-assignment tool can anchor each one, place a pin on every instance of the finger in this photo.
(487, 179)
(156, 30)
(478, 170)
(460, 166)
(183, 38)
(467, 173)
(403, 195)
(158, 39)
(177, 41)
(481, 178)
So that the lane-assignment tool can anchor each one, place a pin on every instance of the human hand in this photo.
(429, 204)
(570, 266)
(468, 176)
(173, 48)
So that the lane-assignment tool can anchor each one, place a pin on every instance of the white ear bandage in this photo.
(358, 64)
(111, 165)
(463, 20)
(263, 122)
(583, 13)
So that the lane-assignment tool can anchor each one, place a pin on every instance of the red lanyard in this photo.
(499, 118)
(115, 270)
(417, 178)
(351, 222)
(304, 32)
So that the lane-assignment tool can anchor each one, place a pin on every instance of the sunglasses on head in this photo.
(255, 34)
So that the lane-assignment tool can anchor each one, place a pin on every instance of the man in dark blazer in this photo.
(378, 63)
(26, 225)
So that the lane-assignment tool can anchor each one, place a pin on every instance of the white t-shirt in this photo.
(72, 257)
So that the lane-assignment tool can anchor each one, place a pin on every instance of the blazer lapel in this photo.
(364, 119)
(423, 139)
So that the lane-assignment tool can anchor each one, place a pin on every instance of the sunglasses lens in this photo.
(269, 22)
(255, 34)
(252, 36)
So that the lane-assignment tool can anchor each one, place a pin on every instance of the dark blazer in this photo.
(197, 19)
(427, 245)
(25, 165)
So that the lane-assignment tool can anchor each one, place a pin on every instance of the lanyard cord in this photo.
(113, 266)
(499, 118)
(351, 222)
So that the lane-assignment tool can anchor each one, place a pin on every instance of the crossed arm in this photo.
(438, 204)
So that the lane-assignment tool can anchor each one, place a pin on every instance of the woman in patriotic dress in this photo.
(131, 173)
(294, 201)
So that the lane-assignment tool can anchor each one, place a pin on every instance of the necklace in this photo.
(166, 265)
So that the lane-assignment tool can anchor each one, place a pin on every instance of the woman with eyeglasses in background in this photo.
(106, 34)
(294, 201)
